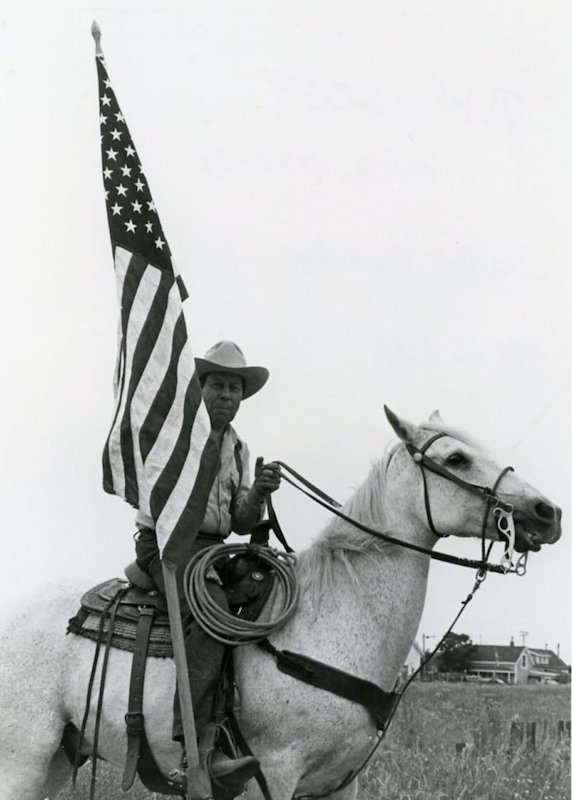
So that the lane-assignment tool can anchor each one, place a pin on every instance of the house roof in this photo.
(553, 659)
(509, 654)
(496, 653)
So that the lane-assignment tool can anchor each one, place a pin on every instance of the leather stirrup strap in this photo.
(99, 710)
(134, 719)
(77, 760)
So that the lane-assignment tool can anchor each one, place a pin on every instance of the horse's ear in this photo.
(435, 416)
(404, 429)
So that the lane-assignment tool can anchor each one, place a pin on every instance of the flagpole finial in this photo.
(96, 33)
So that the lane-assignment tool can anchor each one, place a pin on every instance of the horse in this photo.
(360, 603)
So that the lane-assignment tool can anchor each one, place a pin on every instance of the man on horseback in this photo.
(233, 506)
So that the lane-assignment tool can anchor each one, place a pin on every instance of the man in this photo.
(233, 505)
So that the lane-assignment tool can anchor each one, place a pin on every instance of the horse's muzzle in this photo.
(541, 525)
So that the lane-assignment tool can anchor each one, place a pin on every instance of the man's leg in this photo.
(204, 659)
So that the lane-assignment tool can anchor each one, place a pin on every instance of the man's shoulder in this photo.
(237, 441)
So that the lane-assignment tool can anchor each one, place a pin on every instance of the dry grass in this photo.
(419, 761)
(419, 758)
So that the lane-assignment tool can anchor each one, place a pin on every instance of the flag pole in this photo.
(198, 779)
(96, 33)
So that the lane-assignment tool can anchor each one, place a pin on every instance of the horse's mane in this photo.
(341, 544)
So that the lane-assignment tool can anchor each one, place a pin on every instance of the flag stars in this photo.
(137, 206)
(111, 154)
(139, 185)
(126, 171)
(159, 243)
(102, 119)
(107, 173)
(116, 209)
(121, 190)
(129, 151)
(151, 205)
(148, 227)
(107, 83)
(119, 116)
(106, 101)
(130, 226)
(116, 134)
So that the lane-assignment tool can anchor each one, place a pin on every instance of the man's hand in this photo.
(267, 478)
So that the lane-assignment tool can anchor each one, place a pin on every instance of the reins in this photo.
(321, 498)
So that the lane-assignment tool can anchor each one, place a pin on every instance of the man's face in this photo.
(222, 393)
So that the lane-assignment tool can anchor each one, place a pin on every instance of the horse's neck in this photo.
(367, 615)
(362, 599)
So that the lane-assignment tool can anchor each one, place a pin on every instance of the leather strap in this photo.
(99, 710)
(140, 759)
(134, 719)
(379, 703)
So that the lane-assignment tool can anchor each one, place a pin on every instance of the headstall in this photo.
(501, 510)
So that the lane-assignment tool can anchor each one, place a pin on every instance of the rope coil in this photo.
(228, 628)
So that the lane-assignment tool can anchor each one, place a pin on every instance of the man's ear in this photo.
(405, 430)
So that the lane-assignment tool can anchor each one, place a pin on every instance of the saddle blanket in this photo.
(91, 623)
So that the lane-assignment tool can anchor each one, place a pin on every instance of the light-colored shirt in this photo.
(229, 489)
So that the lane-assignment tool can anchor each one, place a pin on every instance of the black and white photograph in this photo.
(287, 401)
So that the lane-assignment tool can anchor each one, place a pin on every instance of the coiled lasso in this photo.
(218, 623)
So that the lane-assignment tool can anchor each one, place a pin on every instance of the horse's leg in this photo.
(349, 793)
(282, 771)
(25, 775)
(59, 773)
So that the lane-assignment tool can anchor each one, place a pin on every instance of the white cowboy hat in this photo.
(226, 356)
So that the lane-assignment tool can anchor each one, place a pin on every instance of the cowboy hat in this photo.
(226, 356)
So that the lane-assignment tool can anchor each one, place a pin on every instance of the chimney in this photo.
(512, 641)
(558, 649)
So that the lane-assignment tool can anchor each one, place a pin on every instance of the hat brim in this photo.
(253, 378)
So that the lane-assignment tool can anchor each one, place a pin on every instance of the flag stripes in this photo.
(158, 455)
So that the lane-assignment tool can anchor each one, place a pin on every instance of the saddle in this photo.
(130, 615)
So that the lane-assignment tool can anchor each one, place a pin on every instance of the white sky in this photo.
(373, 199)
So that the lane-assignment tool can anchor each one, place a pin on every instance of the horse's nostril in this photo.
(544, 511)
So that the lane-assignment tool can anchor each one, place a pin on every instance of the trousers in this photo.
(204, 654)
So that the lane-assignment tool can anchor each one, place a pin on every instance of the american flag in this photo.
(158, 455)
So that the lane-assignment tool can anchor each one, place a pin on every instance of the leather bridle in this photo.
(501, 509)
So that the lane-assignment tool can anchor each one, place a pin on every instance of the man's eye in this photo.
(457, 460)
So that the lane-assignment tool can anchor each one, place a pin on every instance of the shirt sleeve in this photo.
(241, 494)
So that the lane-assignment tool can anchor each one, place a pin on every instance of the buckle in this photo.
(135, 722)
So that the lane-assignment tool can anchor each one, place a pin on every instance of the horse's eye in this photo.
(457, 460)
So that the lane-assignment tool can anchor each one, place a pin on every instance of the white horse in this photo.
(360, 604)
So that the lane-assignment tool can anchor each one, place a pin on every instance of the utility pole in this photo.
(425, 637)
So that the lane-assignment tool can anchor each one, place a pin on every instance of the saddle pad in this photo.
(124, 631)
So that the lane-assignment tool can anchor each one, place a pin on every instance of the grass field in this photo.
(450, 742)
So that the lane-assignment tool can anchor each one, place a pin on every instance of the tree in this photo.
(456, 652)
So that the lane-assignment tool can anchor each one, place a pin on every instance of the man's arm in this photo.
(249, 502)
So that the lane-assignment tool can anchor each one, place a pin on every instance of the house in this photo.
(413, 660)
(516, 664)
